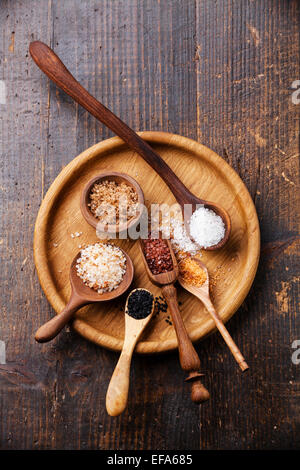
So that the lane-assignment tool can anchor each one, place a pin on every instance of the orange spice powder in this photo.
(191, 272)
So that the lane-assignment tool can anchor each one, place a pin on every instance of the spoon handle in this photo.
(117, 392)
(224, 332)
(51, 329)
(53, 67)
(188, 357)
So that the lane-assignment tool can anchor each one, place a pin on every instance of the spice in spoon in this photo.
(158, 255)
(113, 202)
(101, 267)
(191, 272)
(139, 304)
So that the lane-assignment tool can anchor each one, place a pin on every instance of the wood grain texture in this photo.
(219, 72)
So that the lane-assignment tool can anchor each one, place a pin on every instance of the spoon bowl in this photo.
(88, 294)
(220, 211)
(82, 295)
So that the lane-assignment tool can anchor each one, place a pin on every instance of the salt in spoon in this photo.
(117, 392)
(81, 295)
(202, 293)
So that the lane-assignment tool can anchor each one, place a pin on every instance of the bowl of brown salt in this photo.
(112, 202)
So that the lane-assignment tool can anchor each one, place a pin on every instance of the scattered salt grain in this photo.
(206, 227)
(174, 229)
(101, 267)
(76, 234)
(180, 240)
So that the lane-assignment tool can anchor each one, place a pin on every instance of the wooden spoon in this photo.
(81, 295)
(202, 293)
(188, 357)
(54, 68)
(117, 392)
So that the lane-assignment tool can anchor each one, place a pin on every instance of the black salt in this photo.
(139, 304)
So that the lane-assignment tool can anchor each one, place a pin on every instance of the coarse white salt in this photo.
(206, 227)
(174, 229)
(180, 240)
(101, 267)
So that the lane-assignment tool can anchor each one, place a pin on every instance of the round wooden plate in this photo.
(208, 176)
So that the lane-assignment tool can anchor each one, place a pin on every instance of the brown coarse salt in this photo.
(113, 202)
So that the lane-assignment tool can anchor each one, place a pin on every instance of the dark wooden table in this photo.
(222, 73)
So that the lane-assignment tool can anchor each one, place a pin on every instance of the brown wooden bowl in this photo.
(205, 173)
(118, 178)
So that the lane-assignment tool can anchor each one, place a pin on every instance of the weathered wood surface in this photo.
(216, 71)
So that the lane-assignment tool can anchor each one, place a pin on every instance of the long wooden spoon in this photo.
(117, 392)
(54, 68)
(188, 357)
(202, 293)
(81, 295)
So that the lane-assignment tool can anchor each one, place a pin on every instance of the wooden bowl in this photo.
(118, 178)
(208, 176)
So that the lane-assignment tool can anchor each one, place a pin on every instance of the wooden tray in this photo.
(208, 176)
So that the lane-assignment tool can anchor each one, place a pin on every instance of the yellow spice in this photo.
(191, 272)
